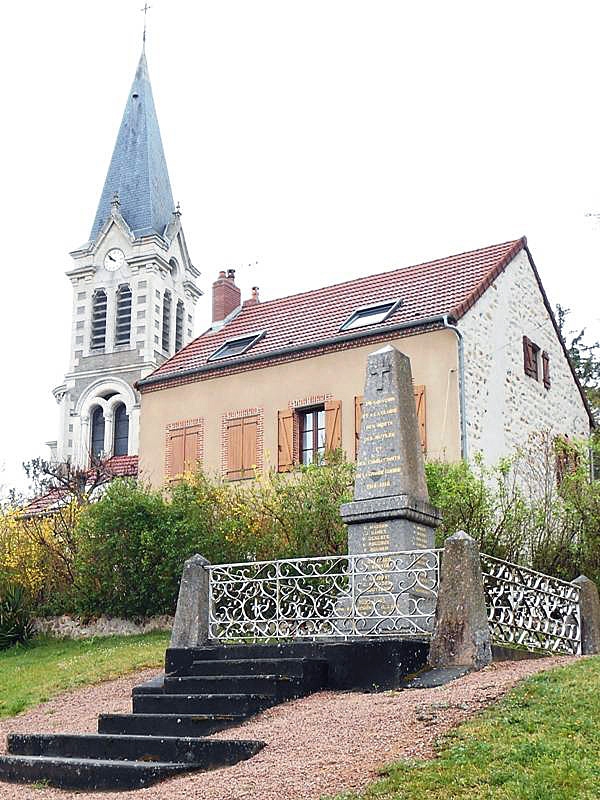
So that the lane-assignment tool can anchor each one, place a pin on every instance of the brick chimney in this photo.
(226, 295)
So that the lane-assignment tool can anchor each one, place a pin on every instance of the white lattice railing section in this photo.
(383, 594)
(531, 609)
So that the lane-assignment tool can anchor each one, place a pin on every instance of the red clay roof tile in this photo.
(447, 286)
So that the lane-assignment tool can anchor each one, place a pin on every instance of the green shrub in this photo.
(132, 543)
(15, 616)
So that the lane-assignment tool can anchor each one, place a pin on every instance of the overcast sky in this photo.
(325, 139)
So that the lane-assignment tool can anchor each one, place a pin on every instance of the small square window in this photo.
(370, 315)
(235, 347)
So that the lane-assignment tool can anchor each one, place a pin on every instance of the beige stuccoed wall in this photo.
(341, 374)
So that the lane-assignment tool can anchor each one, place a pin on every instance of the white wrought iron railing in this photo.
(382, 594)
(530, 609)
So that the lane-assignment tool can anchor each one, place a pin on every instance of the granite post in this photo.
(190, 628)
(462, 632)
(589, 603)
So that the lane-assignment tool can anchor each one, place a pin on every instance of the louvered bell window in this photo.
(97, 443)
(98, 334)
(121, 431)
(179, 316)
(166, 321)
(123, 323)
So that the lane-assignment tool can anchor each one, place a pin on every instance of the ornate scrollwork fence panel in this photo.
(336, 596)
(531, 609)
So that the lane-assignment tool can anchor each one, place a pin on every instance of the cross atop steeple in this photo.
(145, 9)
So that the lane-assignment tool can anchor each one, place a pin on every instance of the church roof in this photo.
(138, 169)
(315, 320)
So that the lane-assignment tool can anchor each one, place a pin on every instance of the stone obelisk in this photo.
(391, 509)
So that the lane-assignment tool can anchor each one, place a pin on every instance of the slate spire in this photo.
(138, 170)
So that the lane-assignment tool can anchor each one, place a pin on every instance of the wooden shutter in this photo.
(285, 440)
(234, 434)
(530, 358)
(191, 449)
(249, 446)
(546, 369)
(242, 447)
(183, 450)
(419, 393)
(176, 456)
(358, 407)
(333, 425)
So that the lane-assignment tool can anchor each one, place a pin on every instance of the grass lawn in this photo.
(542, 742)
(30, 675)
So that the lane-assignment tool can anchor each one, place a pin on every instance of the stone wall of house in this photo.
(504, 406)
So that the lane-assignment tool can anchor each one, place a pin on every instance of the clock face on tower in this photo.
(114, 259)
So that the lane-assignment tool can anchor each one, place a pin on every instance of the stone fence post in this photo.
(190, 628)
(589, 604)
(462, 634)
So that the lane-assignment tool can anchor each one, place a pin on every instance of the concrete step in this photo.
(86, 773)
(280, 686)
(301, 667)
(203, 753)
(167, 724)
(244, 704)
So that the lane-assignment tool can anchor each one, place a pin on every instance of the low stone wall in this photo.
(67, 627)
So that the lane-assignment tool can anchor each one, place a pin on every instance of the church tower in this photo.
(134, 292)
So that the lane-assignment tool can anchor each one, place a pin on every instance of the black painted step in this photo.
(167, 724)
(300, 667)
(245, 704)
(202, 753)
(281, 686)
(86, 773)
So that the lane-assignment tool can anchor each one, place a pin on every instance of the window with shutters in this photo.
(307, 433)
(530, 358)
(97, 433)
(123, 318)
(420, 407)
(120, 431)
(166, 321)
(242, 446)
(98, 332)
(179, 325)
(184, 448)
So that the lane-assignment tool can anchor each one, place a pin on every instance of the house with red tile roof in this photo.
(275, 384)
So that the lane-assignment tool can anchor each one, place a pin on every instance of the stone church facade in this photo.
(134, 292)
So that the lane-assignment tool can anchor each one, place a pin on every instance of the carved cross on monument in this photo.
(378, 369)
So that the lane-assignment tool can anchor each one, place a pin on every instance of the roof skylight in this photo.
(236, 347)
(370, 315)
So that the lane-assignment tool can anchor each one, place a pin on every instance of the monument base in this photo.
(392, 593)
(390, 524)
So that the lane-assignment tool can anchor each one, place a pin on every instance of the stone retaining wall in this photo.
(67, 627)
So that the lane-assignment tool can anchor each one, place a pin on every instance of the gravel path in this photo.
(325, 744)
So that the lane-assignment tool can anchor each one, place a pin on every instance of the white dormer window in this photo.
(235, 347)
(370, 315)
